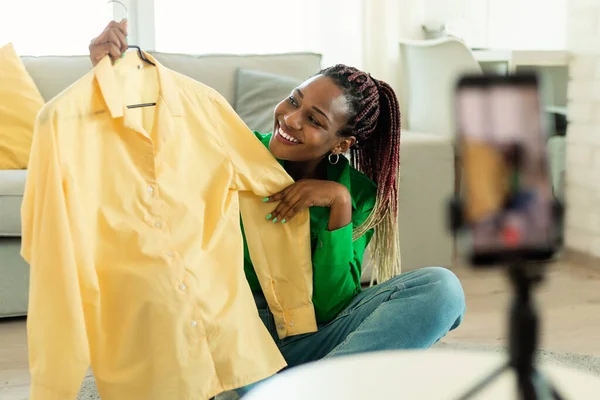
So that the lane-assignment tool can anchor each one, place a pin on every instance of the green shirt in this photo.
(337, 260)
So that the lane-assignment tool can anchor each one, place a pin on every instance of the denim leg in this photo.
(422, 306)
(411, 311)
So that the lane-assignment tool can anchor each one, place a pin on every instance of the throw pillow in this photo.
(257, 94)
(20, 101)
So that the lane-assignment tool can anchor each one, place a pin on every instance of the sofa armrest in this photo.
(426, 186)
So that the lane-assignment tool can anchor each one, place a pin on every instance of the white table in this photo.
(528, 58)
(428, 375)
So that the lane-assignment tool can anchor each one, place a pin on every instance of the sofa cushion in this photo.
(257, 94)
(12, 186)
(20, 101)
(53, 74)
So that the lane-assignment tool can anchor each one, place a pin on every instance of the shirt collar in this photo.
(109, 87)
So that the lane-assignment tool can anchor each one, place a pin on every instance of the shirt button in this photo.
(157, 225)
(193, 323)
(182, 286)
(150, 189)
(170, 254)
(280, 327)
(291, 324)
(320, 243)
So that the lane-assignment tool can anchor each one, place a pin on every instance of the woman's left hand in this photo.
(308, 193)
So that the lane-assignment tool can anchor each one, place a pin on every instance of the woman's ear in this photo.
(345, 144)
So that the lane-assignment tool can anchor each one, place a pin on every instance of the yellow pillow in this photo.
(20, 101)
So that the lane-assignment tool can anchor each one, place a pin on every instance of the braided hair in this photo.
(374, 120)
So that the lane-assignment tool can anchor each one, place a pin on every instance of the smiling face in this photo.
(307, 123)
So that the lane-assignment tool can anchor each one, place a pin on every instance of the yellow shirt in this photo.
(131, 227)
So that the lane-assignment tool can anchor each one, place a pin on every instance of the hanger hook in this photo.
(132, 46)
(121, 4)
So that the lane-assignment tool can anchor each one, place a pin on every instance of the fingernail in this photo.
(283, 221)
(265, 199)
(269, 216)
(274, 219)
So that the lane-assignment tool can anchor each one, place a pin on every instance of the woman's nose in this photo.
(293, 120)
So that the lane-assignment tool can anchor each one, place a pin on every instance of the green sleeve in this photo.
(337, 267)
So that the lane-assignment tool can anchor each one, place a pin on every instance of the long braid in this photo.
(375, 122)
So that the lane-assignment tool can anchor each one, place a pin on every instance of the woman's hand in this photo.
(309, 193)
(112, 41)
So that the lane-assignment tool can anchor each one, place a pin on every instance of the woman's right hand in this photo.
(112, 42)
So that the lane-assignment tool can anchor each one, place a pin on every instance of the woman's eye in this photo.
(293, 101)
(314, 121)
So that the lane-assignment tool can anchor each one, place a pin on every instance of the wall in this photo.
(583, 136)
(512, 24)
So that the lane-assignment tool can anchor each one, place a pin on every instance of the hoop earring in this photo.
(337, 158)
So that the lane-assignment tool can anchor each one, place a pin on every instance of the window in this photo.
(332, 27)
(231, 26)
(52, 27)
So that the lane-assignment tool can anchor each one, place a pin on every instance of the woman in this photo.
(338, 110)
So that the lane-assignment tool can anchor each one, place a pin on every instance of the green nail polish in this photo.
(265, 199)
(127, 41)
(269, 216)
(283, 221)
(274, 219)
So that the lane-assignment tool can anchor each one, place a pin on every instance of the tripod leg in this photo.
(528, 389)
(484, 382)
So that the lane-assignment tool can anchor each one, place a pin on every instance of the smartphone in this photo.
(507, 199)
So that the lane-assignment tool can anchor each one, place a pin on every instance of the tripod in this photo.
(523, 339)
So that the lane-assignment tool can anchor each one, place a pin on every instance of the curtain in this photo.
(385, 22)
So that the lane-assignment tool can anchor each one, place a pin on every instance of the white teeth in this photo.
(288, 137)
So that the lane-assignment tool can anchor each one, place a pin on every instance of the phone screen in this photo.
(508, 196)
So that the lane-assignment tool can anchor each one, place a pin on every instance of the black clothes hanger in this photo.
(141, 54)
(143, 57)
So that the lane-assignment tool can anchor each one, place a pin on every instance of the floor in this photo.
(569, 303)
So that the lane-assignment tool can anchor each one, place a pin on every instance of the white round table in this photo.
(429, 375)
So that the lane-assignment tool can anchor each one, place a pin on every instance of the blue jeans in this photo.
(411, 311)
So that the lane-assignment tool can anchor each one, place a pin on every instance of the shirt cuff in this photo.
(335, 247)
(40, 392)
(296, 322)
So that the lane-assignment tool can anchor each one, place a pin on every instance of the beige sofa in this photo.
(426, 181)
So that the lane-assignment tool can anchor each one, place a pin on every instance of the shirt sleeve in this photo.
(280, 253)
(58, 347)
(337, 266)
